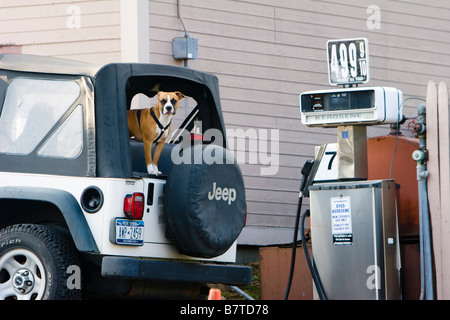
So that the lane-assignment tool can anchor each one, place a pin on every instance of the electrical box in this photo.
(354, 239)
(185, 48)
(371, 105)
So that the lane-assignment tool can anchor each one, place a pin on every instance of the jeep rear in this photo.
(72, 180)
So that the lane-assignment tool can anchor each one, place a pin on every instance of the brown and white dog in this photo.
(152, 125)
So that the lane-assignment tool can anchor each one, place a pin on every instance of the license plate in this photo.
(130, 232)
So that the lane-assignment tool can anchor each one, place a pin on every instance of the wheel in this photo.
(34, 262)
(204, 202)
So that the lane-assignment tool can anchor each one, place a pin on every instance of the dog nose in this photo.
(168, 109)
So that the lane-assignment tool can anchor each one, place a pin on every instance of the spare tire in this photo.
(204, 201)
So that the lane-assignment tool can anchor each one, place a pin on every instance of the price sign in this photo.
(348, 61)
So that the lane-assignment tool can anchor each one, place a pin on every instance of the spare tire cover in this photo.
(204, 202)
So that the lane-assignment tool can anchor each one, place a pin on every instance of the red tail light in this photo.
(197, 137)
(133, 205)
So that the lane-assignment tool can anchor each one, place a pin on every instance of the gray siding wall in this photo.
(267, 52)
(80, 30)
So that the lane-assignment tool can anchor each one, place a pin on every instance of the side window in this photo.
(31, 109)
(67, 141)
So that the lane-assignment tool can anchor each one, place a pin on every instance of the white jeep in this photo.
(80, 217)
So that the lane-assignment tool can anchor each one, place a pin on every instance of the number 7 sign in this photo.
(328, 166)
(348, 61)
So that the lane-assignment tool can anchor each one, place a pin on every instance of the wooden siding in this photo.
(47, 28)
(267, 52)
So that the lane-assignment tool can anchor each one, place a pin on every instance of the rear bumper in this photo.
(134, 268)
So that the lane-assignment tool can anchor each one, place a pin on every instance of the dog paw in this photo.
(153, 170)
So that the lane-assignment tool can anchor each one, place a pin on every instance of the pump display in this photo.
(372, 105)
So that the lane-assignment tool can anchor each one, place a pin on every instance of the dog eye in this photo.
(173, 101)
(163, 101)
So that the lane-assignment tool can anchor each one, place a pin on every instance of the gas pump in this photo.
(353, 221)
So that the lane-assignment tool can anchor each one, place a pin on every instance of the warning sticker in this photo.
(341, 220)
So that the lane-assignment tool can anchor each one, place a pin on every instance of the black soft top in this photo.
(115, 84)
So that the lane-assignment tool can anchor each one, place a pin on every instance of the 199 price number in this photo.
(348, 61)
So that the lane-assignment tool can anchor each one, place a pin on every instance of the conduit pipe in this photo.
(420, 156)
(180, 16)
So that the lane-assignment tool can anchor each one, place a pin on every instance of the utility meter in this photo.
(369, 105)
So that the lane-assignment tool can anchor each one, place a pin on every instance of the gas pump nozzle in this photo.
(306, 171)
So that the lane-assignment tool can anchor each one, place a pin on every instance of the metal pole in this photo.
(420, 155)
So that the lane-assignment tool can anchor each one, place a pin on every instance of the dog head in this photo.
(168, 102)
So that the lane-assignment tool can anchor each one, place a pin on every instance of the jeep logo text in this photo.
(225, 194)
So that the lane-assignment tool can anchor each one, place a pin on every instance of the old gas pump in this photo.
(354, 229)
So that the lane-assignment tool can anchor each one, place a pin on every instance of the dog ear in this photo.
(179, 95)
